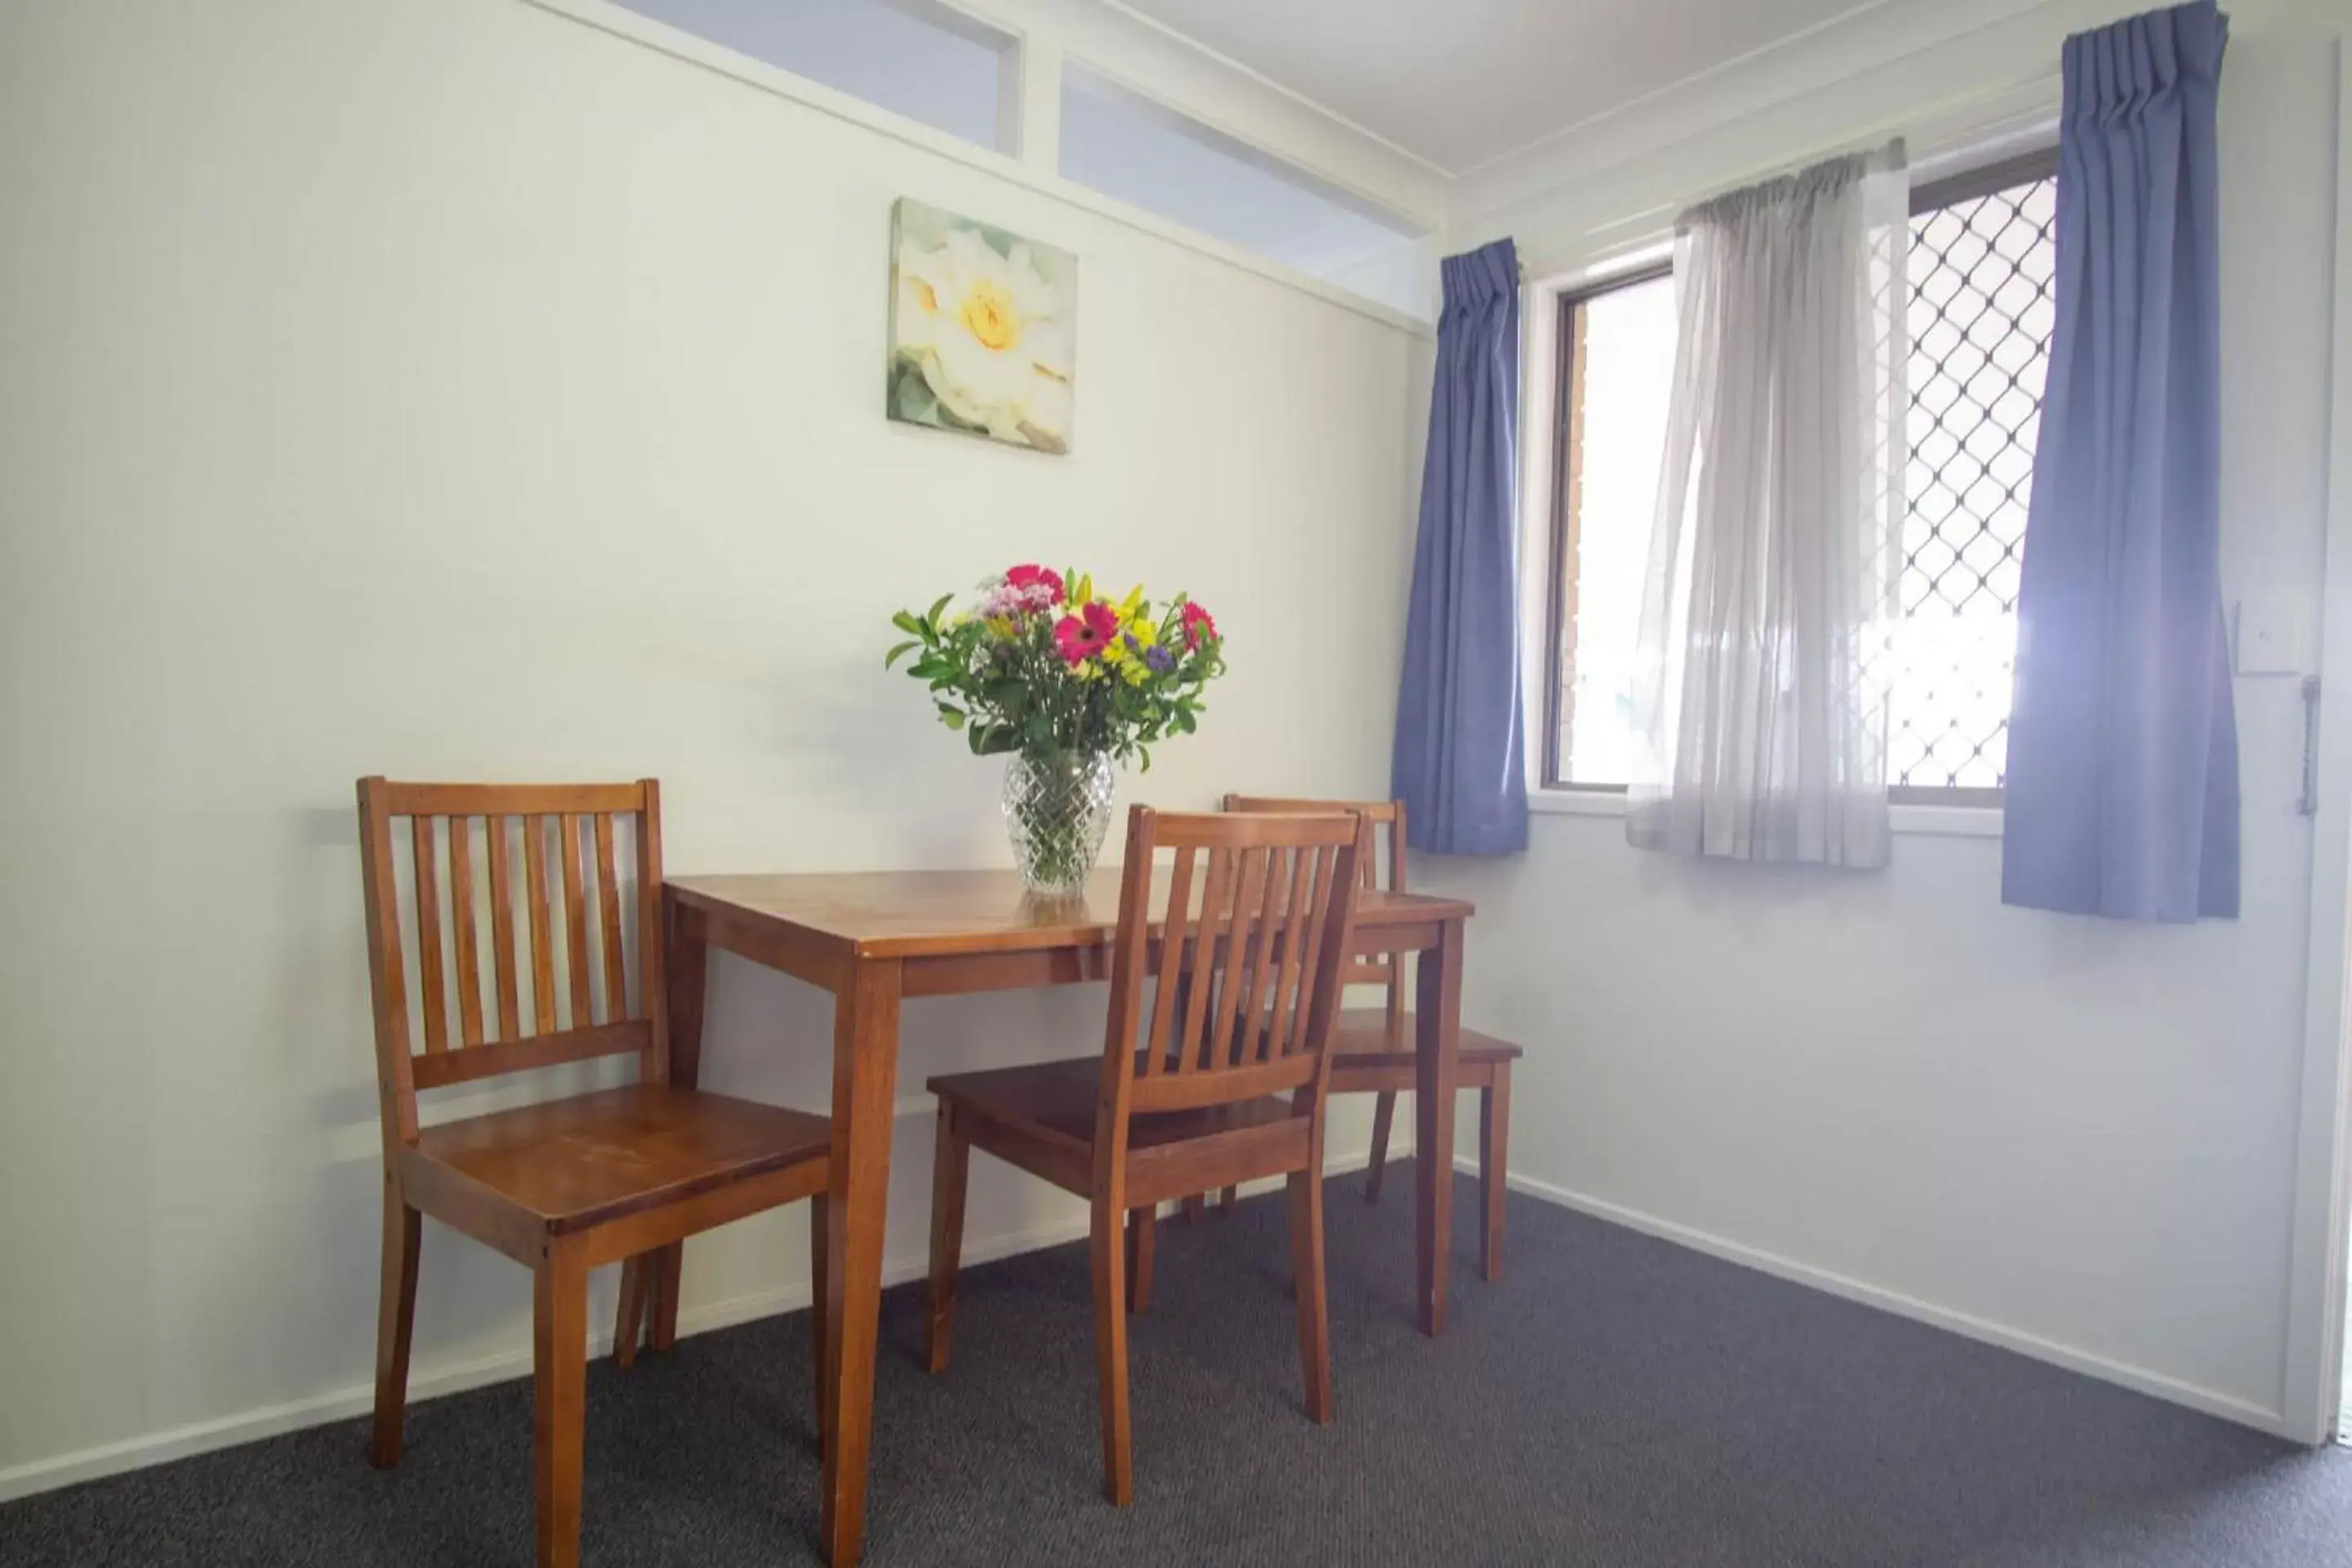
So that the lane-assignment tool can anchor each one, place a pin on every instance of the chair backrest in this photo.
(1260, 910)
(591, 1014)
(1383, 820)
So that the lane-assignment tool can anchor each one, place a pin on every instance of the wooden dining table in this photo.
(872, 940)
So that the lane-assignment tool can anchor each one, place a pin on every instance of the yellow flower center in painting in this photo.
(987, 315)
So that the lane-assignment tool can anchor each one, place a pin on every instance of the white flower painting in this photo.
(983, 328)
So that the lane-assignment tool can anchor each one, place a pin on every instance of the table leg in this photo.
(865, 1084)
(686, 968)
(1437, 1028)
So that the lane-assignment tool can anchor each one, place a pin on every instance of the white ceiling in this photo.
(1460, 83)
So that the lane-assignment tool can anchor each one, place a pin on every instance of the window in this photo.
(1127, 146)
(928, 62)
(1983, 266)
(1617, 340)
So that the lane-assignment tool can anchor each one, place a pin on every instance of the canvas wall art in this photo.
(983, 328)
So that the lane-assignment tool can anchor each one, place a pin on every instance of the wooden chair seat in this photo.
(1053, 1105)
(1057, 1099)
(1363, 1056)
(568, 1164)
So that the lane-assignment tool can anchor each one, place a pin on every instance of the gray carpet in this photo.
(1615, 1402)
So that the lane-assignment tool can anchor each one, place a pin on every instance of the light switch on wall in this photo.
(2270, 636)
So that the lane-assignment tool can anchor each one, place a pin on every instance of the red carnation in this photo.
(1031, 576)
(1199, 626)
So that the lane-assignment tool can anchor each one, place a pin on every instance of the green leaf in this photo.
(1145, 753)
(952, 717)
(897, 653)
(908, 624)
(911, 399)
(933, 618)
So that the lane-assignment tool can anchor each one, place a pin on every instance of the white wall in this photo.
(450, 389)
(2075, 1137)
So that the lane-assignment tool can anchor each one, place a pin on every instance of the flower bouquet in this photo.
(1066, 684)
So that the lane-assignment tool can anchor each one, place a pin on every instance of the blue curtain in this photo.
(2122, 751)
(1460, 746)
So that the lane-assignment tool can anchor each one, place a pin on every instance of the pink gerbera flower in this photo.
(1085, 634)
(1199, 625)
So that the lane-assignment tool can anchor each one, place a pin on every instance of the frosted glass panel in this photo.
(1127, 146)
(926, 62)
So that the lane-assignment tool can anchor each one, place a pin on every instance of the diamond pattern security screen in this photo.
(1984, 268)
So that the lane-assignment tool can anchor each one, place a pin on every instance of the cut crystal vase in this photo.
(1057, 808)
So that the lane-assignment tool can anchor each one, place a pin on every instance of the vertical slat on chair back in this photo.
(1383, 820)
(485, 1035)
(1248, 968)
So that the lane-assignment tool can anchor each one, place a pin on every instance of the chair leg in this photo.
(1494, 1169)
(666, 1265)
(1109, 1253)
(1384, 1118)
(559, 1400)
(1195, 1207)
(1314, 1307)
(1141, 1225)
(950, 1172)
(820, 1314)
(1226, 1200)
(629, 1316)
(396, 1324)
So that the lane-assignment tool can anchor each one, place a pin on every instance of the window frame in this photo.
(1560, 590)
(1040, 52)
(1082, 76)
(1008, 44)
(1561, 523)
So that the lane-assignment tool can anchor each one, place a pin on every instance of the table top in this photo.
(909, 914)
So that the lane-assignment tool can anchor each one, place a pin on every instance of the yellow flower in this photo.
(989, 315)
(1134, 637)
(1003, 627)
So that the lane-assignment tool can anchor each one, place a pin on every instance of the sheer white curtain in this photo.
(1760, 708)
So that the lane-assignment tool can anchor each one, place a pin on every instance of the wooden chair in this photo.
(1181, 1096)
(1372, 1048)
(565, 1185)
